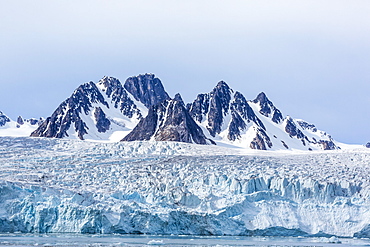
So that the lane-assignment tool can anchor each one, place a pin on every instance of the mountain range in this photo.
(140, 109)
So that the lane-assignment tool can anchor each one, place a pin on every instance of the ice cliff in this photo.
(50, 185)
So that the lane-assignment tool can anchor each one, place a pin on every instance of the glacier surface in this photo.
(49, 185)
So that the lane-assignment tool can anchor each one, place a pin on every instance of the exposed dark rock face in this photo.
(179, 99)
(292, 129)
(68, 113)
(214, 105)
(237, 125)
(219, 106)
(328, 145)
(241, 106)
(146, 128)
(102, 122)
(20, 120)
(284, 144)
(219, 103)
(168, 121)
(241, 113)
(34, 121)
(226, 115)
(118, 96)
(261, 141)
(307, 126)
(199, 108)
(86, 99)
(3, 119)
(268, 108)
(368, 145)
(147, 89)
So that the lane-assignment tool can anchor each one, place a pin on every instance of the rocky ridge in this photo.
(168, 121)
(226, 115)
(94, 111)
(20, 127)
(3, 119)
(141, 109)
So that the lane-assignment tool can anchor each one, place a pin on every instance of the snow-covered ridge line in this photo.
(21, 127)
(178, 188)
(140, 109)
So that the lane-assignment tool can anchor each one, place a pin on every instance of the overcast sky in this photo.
(311, 58)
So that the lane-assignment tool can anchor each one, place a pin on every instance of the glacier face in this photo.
(49, 185)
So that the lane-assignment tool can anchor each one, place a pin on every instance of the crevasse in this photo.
(172, 188)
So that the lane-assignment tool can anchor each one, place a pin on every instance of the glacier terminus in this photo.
(150, 187)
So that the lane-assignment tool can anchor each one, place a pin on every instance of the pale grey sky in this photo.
(311, 58)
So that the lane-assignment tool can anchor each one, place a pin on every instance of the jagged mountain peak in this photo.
(140, 109)
(147, 89)
(94, 110)
(222, 84)
(229, 117)
(179, 99)
(221, 90)
(3, 119)
(168, 121)
(267, 108)
(20, 120)
(108, 82)
(84, 96)
(261, 98)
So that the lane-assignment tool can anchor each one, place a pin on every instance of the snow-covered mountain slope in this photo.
(227, 117)
(52, 185)
(168, 121)
(21, 127)
(110, 111)
(102, 111)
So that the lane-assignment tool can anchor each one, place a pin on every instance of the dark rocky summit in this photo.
(147, 89)
(20, 120)
(118, 97)
(144, 107)
(168, 121)
(69, 113)
(199, 108)
(3, 119)
(223, 110)
(32, 121)
(217, 105)
(241, 115)
(213, 107)
(267, 108)
(89, 98)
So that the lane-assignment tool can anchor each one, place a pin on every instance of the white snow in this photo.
(12, 128)
(49, 185)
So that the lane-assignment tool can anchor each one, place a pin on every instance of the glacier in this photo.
(72, 186)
